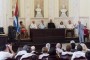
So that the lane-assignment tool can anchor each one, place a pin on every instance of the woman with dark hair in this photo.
(52, 54)
(87, 55)
(23, 30)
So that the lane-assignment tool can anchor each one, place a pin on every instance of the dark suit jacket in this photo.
(51, 25)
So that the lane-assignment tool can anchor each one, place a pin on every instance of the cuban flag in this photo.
(15, 22)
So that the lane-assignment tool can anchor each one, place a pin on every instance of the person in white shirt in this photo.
(6, 52)
(44, 53)
(78, 53)
(33, 50)
(29, 53)
(68, 51)
(70, 28)
(48, 46)
(33, 25)
(58, 49)
(23, 51)
(61, 25)
(41, 25)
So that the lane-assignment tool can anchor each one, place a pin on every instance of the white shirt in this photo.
(26, 55)
(21, 53)
(58, 50)
(64, 53)
(5, 55)
(33, 26)
(77, 54)
(42, 55)
(61, 26)
(70, 26)
(41, 26)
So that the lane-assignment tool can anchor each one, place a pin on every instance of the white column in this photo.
(74, 7)
(46, 8)
(56, 8)
(21, 9)
(32, 11)
(1, 13)
(51, 9)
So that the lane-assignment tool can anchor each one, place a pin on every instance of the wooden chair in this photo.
(18, 57)
(66, 57)
(33, 57)
(80, 58)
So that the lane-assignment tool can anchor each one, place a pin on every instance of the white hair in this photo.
(32, 48)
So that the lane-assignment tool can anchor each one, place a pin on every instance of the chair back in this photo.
(33, 57)
(44, 58)
(11, 59)
(18, 57)
(80, 58)
(66, 57)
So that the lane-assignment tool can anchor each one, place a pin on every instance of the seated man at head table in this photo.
(33, 25)
(70, 28)
(61, 25)
(41, 25)
(51, 24)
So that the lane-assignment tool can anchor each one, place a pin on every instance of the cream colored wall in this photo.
(51, 10)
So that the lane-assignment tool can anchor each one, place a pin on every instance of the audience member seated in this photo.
(78, 53)
(44, 54)
(68, 51)
(6, 52)
(48, 46)
(87, 55)
(70, 29)
(41, 25)
(86, 33)
(33, 50)
(33, 25)
(73, 45)
(23, 33)
(28, 54)
(61, 25)
(51, 24)
(84, 47)
(59, 49)
(52, 54)
(22, 52)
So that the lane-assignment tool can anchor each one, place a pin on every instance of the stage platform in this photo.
(38, 43)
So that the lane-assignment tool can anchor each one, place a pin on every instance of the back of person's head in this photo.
(87, 55)
(68, 48)
(44, 50)
(32, 48)
(84, 47)
(3, 47)
(21, 22)
(48, 45)
(79, 47)
(72, 41)
(58, 45)
(73, 45)
(52, 51)
(26, 47)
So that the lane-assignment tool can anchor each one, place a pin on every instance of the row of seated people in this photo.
(72, 52)
(69, 28)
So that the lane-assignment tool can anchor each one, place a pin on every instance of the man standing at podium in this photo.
(51, 24)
